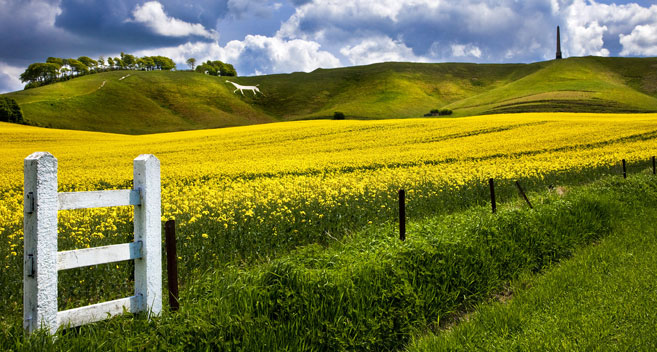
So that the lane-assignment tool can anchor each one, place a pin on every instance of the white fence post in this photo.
(148, 229)
(40, 242)
(42, 261)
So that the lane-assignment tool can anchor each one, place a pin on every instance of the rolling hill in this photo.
(136, 102)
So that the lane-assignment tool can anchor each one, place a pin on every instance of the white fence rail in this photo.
(42, 261)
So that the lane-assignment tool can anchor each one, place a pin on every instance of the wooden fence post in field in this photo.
(654, 167)
(402, 215)
(624, 169)
(172, 264)
(42, 261)
(522, 193)
(491, 184)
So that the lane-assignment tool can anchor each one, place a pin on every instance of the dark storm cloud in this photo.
(107, 24)
(27, 30)
(494, 26)
(34, 30)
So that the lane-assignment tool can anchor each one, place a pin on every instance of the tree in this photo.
(216, 68)
(205, 68)
(229, 70)
(191, 62)
(40, 72)
(149, 64)
(119, 63)
(10, 111)
(163, 63)
(110, 62)
(101, 61)
(128, 60)
(78, 67)
(55, 60)
(87, 61)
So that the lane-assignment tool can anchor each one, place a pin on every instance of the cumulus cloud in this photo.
(587, 39)
(379, 49)
(642, 41)
(596, 29)
(152, 15)
(255, 54)
(461, 50)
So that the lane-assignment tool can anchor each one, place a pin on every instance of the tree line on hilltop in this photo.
(57, 69)
(214, 68)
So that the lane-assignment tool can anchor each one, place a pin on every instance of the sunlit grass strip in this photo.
(603, 298)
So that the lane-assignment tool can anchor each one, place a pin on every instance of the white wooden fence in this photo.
(42, 261)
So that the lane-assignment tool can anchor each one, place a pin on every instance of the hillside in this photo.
(144, 102)
(148, 102)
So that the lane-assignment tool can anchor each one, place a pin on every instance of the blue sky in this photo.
(261, 37)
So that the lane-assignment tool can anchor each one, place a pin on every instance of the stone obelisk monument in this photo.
(558, 44)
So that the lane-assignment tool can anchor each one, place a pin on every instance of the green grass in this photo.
(148, 102)
(575, 85)
(602, 299)
(369, 291)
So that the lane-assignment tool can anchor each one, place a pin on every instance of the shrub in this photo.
(338, 116)
(445, 112)
(10, 111)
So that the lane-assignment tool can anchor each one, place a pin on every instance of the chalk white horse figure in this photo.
(241, 88)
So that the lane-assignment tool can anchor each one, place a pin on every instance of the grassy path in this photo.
(603, 298)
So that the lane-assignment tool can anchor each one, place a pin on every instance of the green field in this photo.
(601, 299)
(148, 102)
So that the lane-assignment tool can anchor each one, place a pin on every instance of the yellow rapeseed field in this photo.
(251, 191)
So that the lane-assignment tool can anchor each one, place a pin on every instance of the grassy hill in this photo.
(144, 102)
(147, 102)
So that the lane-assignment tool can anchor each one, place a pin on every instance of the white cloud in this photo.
(642, 41)
(589, 22)
(460, 50)
(201, 51)
(152, 15)
(379, 49)
(281, 55)
(255, 54)
(587, 39)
